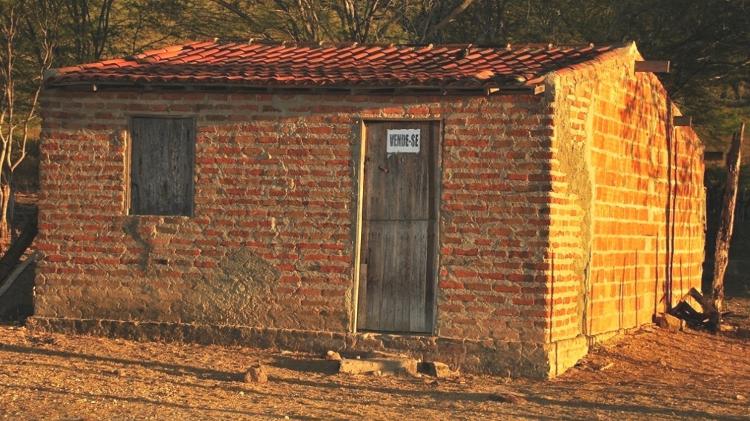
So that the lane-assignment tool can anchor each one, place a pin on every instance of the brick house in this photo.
(499, 209)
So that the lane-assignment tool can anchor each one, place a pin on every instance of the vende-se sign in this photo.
(403, 141)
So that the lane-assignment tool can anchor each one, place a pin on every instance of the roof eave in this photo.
(447, 89)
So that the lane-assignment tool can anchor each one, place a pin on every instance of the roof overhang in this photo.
(296, 89)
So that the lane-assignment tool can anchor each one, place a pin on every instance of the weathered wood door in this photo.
(397, 264)
(161, 166)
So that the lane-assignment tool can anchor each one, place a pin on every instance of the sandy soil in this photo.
(651, 374)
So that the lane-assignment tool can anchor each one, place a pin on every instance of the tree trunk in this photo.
(724, 233)
(13, 254)
(6, 217)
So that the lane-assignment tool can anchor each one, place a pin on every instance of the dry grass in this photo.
(650, 374)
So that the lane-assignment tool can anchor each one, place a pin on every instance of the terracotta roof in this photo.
(281, 65)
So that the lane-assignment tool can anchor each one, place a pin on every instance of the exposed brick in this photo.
(617, 203)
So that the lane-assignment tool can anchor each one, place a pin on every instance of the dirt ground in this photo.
(650, 374)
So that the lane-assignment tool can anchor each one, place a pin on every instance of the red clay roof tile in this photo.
(263, 64)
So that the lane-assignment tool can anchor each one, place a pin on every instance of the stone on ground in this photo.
(438, 369)
(669, 322)
(256, 374)
(333, 356)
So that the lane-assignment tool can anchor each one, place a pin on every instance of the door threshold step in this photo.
(379, 366)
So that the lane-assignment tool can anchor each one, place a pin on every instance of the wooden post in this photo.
(18, 270)
(724, 234)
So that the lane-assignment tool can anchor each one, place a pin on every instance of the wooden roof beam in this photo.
(682, 121)
(652, 66)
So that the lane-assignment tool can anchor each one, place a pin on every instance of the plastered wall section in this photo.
(271, 243)
(628, 217)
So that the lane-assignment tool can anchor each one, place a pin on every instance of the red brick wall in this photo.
(631, 204)
(271, 242)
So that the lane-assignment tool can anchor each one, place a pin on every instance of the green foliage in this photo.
(708, 41)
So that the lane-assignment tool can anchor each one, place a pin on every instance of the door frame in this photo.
(359, 173)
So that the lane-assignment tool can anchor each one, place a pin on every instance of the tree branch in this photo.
(449, 18)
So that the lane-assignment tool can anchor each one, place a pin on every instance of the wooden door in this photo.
(397, 264)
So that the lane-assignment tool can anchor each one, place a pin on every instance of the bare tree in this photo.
(317, 20)
(726, 226)
(24, 21)
(90, 22)
(302, 20)
(424, 19)
(365, 20)
(238, 8)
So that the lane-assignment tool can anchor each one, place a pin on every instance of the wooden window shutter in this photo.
(161, 166)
